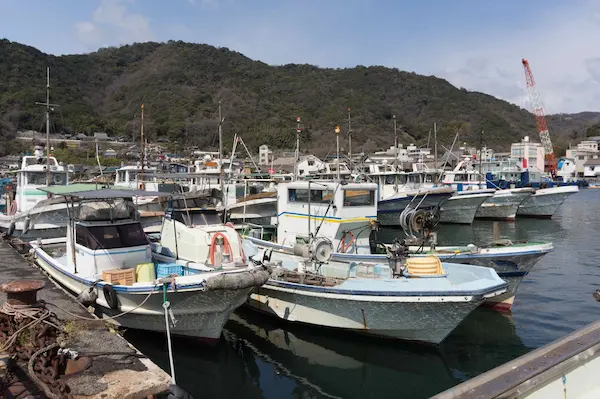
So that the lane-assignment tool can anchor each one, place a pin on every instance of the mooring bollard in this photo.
(22, 292)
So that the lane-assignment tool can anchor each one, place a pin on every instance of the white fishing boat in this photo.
(107, 260)
(354, 238)
(503, 205)
(545, 201)
(463, 205)
(397, 191)
(372, 298)
(29, 212)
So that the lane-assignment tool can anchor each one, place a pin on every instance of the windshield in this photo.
(192, 218)
(109, 237)
(39, 178)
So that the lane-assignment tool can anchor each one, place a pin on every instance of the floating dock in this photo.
(98, 364)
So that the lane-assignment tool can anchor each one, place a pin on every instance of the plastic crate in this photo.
(166, 269)
(119, 276)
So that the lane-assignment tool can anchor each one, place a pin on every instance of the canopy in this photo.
(104, 193)
(71, 188)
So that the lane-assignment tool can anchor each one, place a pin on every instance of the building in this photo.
(265, 155)
(416, 153)
(591, 168)
(110, 153)
(309, 165)
(529, 153)
(100, 136)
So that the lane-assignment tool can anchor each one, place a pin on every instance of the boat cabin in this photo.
(344, 213)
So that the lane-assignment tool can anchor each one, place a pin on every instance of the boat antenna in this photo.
(349, 139)
(297, 154)
(221, 149)
(480, 156)
(48, 109)
(142, 144)
(337, 154)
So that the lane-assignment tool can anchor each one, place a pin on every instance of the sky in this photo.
(475, 44)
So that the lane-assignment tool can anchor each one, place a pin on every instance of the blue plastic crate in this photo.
(166, 269)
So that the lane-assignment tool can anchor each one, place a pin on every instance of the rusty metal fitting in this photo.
(22, 292)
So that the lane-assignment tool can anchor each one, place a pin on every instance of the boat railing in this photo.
(535, 370)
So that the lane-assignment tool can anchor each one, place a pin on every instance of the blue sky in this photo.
(477, 44)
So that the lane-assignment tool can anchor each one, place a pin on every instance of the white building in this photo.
(529, 153)
(310, 165)
(592, 167)
(264, 155)
(417, 153)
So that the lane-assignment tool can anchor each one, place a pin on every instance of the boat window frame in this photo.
(349, 204)
(317, 196)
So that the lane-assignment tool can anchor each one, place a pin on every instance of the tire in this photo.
(111, 296)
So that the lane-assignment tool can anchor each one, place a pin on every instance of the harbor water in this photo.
(259, 357)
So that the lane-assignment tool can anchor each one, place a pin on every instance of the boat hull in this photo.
(501, 207)
(397, 318)
(545, 202)
(461, 209)
(200, 313)
(511, 264)
(389, 210)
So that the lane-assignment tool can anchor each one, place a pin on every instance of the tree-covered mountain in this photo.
(181, 85)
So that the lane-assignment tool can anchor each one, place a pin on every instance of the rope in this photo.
(35, 378)
(37, 313)
(109, 317)
(166, 305)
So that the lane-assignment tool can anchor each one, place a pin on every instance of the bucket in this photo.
(145, 273)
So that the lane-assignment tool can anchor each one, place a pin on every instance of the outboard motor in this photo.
(397, 253)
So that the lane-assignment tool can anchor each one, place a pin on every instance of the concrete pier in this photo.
(109, 367)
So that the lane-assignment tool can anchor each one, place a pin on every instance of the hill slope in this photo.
(181, 85)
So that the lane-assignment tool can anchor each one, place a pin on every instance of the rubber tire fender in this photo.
(111, 296)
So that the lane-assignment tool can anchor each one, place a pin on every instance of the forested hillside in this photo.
(181, 85)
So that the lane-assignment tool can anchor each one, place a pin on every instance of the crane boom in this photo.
(540, 118)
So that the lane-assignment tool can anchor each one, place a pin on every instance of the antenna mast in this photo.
(142, 145)
(47, 105)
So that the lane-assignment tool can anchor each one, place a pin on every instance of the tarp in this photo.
(105, 193)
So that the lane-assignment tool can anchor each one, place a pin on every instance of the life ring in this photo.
(111, 296)
(57, 179)
(213, 246)
(11, 228)
(342, 246)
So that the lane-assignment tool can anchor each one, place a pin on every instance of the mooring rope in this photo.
(166, 306)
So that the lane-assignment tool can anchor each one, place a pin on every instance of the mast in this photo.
(395, 146)
(349, 139)
(221, 150)
(47, 105)
(480, 156)
(297, 155)
(337, 140)
(143, 146)
(435, 143)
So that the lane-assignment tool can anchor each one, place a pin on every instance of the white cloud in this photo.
(563, 54)
(112, 24)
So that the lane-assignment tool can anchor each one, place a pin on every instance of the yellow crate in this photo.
(119, 276)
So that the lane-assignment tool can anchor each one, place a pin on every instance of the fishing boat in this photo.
(354, 236)
(545, 201)
(106, 259)
(397, 191)
(463, 205)
(30, 213)
(308, 286)
(504, 204)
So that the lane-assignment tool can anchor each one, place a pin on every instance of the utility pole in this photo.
(337, 138)
(47, 105)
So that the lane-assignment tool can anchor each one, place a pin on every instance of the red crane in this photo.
(540, 119)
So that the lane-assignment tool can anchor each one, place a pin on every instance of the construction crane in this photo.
(540, 120)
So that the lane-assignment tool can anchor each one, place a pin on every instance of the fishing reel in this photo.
(419, 223)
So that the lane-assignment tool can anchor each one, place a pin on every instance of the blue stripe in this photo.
(321, 216)
(101, 284)
(410, 198)
(446, 257)
(330, 290)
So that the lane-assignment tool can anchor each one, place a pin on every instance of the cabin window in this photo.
(414, 178)
(39, 178)
(430, 178)
(197, 218)
(109, 237)
(460, 177)
(316, 196)
(121, 176)
(359, 197)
